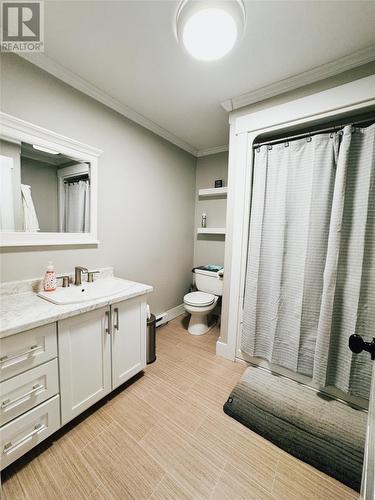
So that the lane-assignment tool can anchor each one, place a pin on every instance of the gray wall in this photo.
(209, 249)
(42, 178)
(146, 189)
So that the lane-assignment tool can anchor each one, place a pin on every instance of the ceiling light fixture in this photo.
(45, 150)
(209, 29)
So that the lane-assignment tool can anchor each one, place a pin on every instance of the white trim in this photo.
(320, 72)
(224, 350)
(50, 66)
(212, 192)
(338, 100)
(22, 131)
(212, 151)
(227, 105)
(231, 303)
(313, 75)
(211, 230)
(368, 474)
(16, 129)
(175, 312)
(46, 239)
(356, 96)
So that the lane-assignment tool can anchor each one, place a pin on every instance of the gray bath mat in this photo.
(319, 430)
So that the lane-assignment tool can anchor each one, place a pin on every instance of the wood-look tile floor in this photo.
(165, 436)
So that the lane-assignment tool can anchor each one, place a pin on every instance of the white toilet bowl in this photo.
(199, 305)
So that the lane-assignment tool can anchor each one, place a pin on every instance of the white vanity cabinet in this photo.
(98, 351)
(29, 391)
(129, 323)
(19, 353)
(50, 374)
(85, 361)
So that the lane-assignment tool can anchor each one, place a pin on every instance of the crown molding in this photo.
(15, 129)
(212, 151)
(313, 75)
(50, 66)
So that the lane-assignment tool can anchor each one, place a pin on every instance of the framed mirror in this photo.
(48, 187)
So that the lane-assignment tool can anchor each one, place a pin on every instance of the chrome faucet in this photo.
(78, 270)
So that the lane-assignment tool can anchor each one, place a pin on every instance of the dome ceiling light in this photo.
(209, 29)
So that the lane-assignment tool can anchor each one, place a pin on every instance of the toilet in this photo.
(200, 303)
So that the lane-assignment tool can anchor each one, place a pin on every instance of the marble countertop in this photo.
(23, 311)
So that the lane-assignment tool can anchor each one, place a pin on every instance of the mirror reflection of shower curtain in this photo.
(311, 257)
(77, 207)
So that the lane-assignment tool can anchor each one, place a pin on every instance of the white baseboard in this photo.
(174, 312)
(224, 350)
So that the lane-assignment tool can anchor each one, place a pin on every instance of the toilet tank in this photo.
(208, 281)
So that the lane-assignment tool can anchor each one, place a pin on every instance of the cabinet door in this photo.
(85, 361)
(128, 339)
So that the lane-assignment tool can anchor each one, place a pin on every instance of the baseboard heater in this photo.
(161, 319)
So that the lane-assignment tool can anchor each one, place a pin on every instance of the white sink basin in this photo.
(101, 288)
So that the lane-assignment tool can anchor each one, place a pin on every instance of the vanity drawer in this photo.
(26, 350)
(25, 432)
(22, 392)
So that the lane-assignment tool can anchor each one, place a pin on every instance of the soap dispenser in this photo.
(50, 280)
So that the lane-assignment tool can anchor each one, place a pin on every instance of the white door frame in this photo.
(245, 127)
(368, 475)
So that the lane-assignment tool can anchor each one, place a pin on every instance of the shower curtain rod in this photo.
(333, 128)
(76, 178)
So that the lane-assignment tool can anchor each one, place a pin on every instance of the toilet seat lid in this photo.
(199, 299)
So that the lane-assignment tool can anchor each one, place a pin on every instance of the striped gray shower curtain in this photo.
(310, 277)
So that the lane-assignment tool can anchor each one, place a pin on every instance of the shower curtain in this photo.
(77, 207)
(310, 278)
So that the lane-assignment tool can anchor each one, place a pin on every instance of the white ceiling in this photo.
(128, 50)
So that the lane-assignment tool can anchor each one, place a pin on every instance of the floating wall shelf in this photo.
(212, 192)
(211, 230)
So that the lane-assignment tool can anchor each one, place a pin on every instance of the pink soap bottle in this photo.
(50, 281)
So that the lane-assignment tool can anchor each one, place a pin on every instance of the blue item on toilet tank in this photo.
(210, 267)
